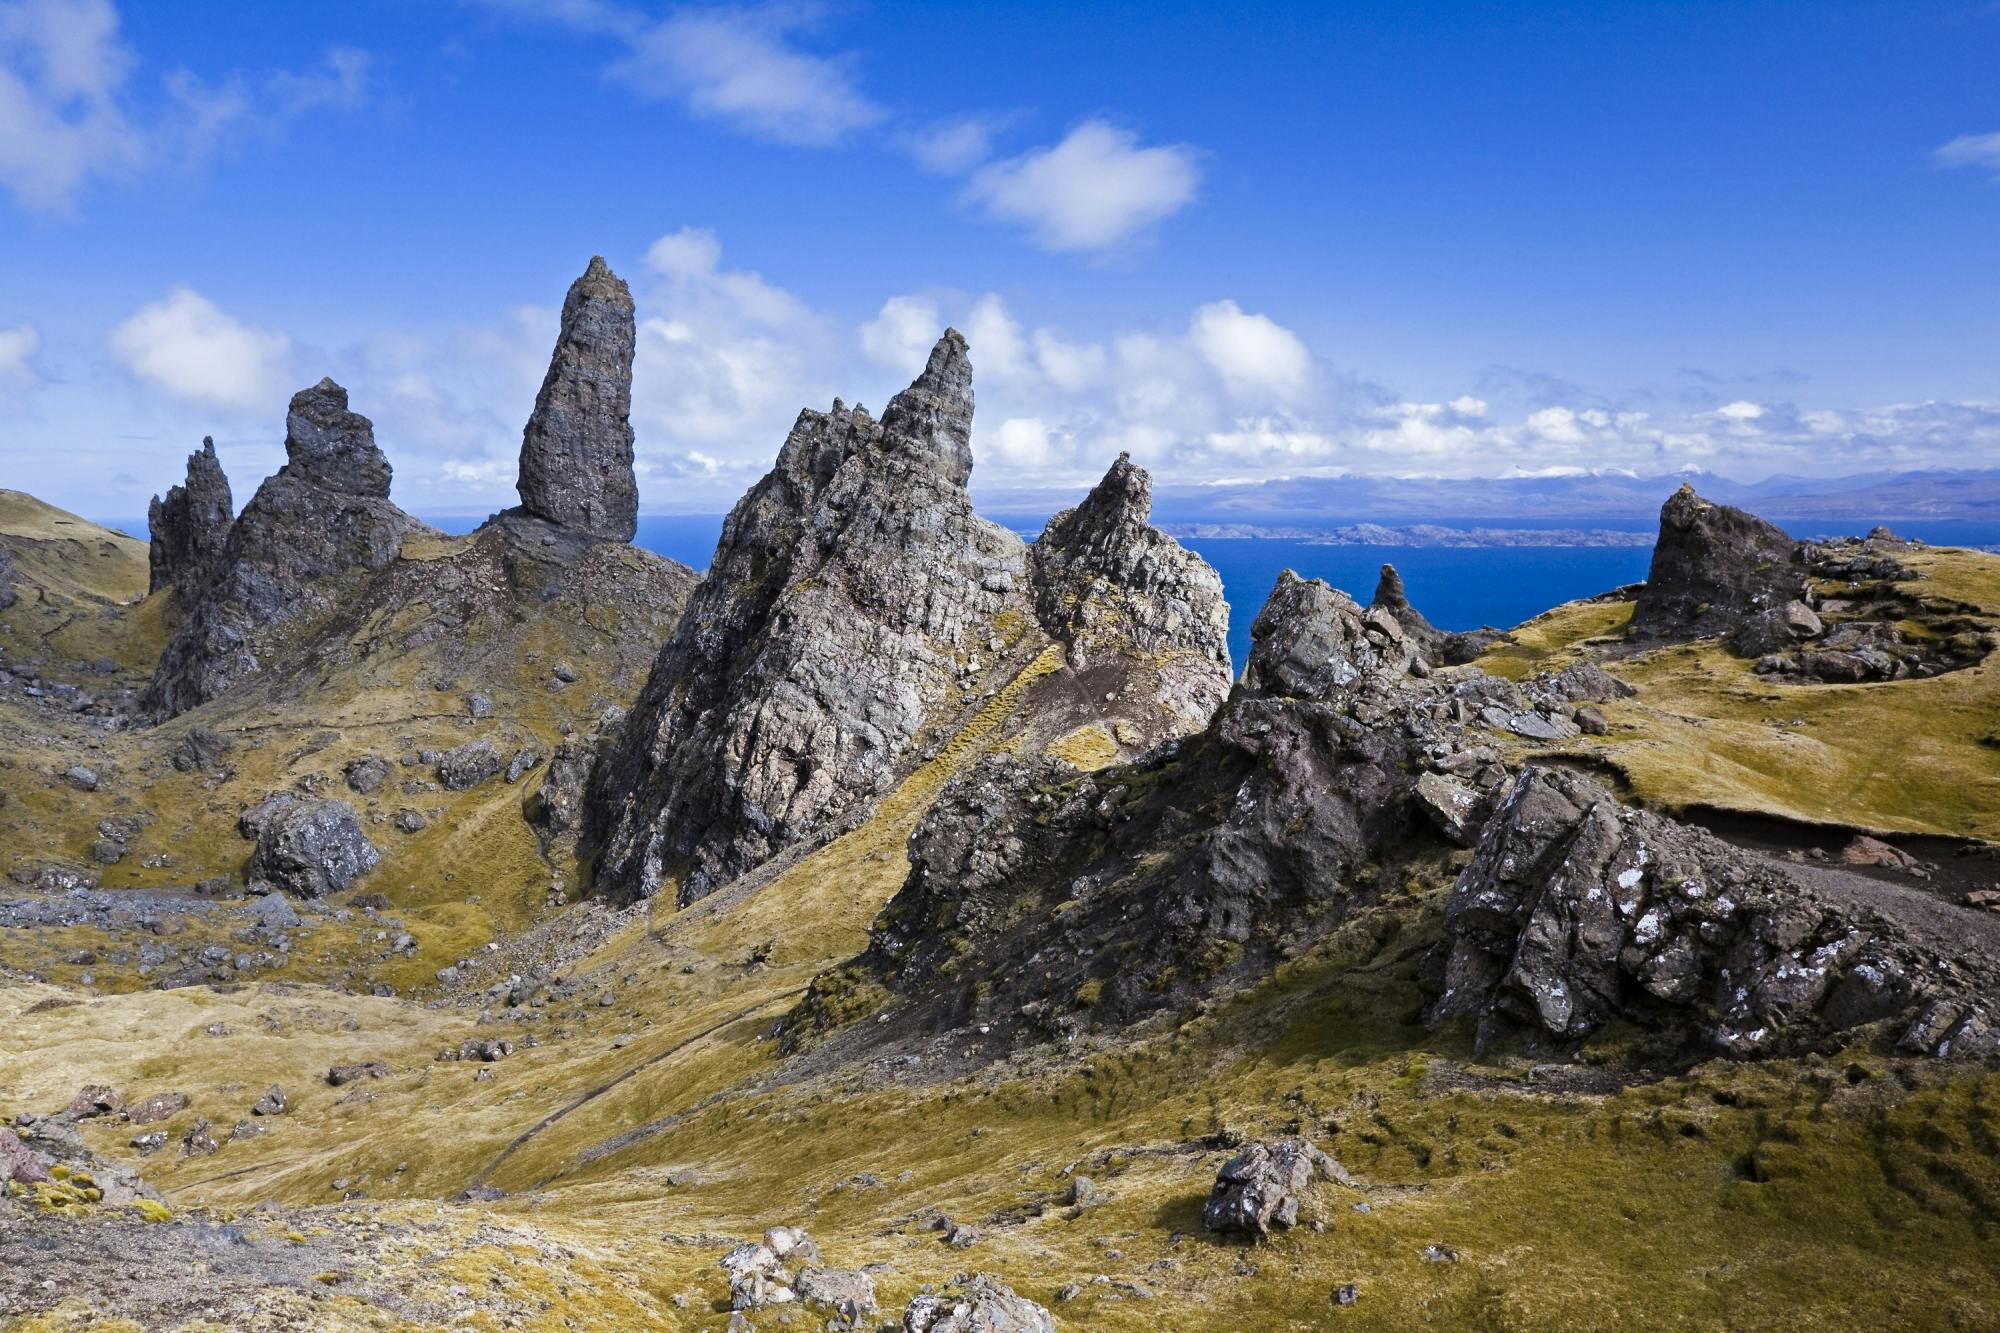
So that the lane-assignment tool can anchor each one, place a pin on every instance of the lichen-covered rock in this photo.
(555, 808)
(1108, 582)
(312, 848)
(977, 1303)
(298, 550)
(190, 526)
(1577, 910)
(576, 453)
(201, 750)
(1264, 1186)
(1713, 567)
(367, 775)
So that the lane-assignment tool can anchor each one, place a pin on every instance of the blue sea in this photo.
(1456, 587)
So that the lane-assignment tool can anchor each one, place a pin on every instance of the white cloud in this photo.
(340, 82)
(902, 333)
(1253, 353)
(1023, 442)
(1739, 411)
(1971, 150)
(187, 346)
(1094, 190)
(742, 66)
(1558, 425)
(18, 347)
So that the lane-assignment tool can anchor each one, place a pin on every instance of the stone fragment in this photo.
(979, 1303)
(466, 766)
(1262, 1187)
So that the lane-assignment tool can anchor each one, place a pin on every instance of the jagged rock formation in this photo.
(1106, 583)
(1265, 1185)
(858, 608)
(1140, 887)
(1713, 568)
(1577, 910)
(1391, 597)
(322, 521)
(576, 453)
(190, 526)
(308, 848)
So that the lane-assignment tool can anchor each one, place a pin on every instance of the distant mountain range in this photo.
(1568, 500)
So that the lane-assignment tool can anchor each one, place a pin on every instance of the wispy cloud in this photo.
(1971, 150)
(70, 113)
(18, 347)
(1094, 190)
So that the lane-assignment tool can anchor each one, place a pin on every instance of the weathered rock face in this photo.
(1106, 582)
(1142, 886)
(190, 525)
(311, 848)
(323, 520)
(1576, 910)
(1713, 567)
(856, 607)
(576, 453)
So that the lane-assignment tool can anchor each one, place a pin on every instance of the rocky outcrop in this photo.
(856, 614)
(190, 525)
(1577, 910)
(323, 521)
(1108, 583)
(576, 453)
(1143, 886)
(1713, 568)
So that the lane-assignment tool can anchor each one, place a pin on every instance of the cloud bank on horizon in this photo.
(1070, 209)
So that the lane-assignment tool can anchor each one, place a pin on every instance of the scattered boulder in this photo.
(273, 1102)
(312, 848)
(1867, 851)
(199, 1141)
(199, 751)
(576, 453)
(367, 775)
(159, 1106)
(1263, 1187)
(340, 1075)
(94, 1100)
(977, 1303)
(466, 766)
(763, 1274)
(845, 1295)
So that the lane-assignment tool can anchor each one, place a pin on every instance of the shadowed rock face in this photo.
(857, 603)
(324, 518)
(576, 453)
(1145, 885)
(1713, 567)
(1577, 910)
(190, 525)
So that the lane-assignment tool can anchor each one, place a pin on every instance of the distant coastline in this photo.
(1414, 534)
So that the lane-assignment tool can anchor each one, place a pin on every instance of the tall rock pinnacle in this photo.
(1713, 566)
(933, 417)
(190, 525)
(576, 453)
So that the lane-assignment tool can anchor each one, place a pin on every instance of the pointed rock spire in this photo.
(1391, 597)
(190, 525)
(1312, 640)
(933, 417)
(331, 447)
(576, 453)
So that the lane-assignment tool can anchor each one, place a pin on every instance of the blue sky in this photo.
(1239, 241)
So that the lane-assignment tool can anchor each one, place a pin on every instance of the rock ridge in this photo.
(189, 526)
